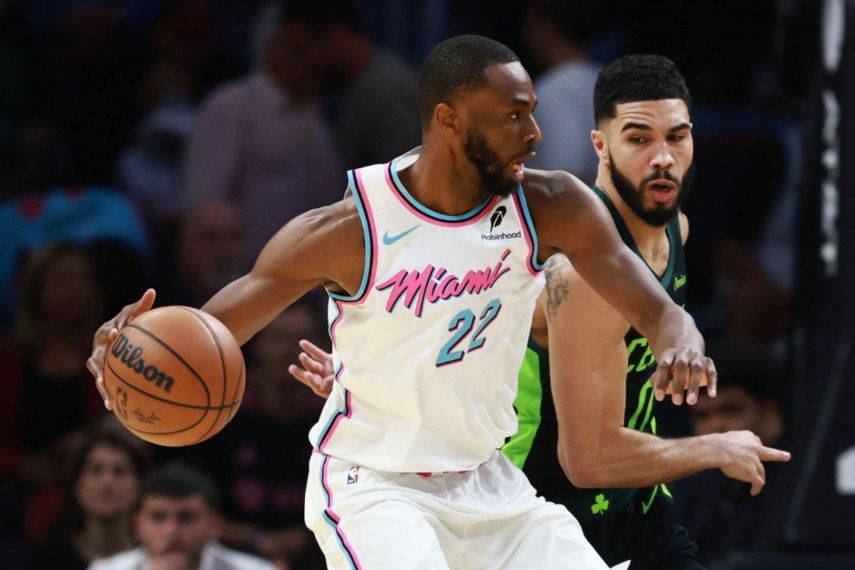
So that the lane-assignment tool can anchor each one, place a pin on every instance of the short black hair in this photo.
(455, 66)
(637, 78)
(179, 481)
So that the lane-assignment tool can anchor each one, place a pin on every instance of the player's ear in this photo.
(601, 146)
(446, 118)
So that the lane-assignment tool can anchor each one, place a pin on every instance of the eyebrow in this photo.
(523, 102)
(643, 127)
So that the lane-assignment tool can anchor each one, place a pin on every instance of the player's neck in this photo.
(443, 184)
(645, 235)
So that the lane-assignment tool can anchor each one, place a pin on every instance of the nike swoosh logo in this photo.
(389, 240)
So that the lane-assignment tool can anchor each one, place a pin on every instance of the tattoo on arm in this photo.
(557, 283)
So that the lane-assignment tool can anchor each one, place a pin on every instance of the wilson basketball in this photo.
(175, 376)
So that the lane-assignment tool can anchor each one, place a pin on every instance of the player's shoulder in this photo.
(556, 200)
(545, 187)
(683, 220)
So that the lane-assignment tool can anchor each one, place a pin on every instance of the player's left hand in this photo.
(684, 369)
(315, 369)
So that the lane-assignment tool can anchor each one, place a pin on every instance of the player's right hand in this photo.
(315, 369)
(107, 333)
(744, 457)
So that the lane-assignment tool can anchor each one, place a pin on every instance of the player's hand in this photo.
(744, 456)
(684, 369)
(315, 369)
(107, 333)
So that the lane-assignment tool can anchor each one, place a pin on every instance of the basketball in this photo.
(175, 376)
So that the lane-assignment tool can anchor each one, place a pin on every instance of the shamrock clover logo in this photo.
(601, 505)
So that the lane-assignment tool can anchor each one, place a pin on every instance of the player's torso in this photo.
(533, 448)
(426, 353)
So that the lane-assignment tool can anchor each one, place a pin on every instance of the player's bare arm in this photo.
(588, 362)
(570, 219)
(322, 247)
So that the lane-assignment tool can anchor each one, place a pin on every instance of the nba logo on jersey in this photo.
(353, 475)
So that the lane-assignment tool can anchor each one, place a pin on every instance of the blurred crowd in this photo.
(163, 142)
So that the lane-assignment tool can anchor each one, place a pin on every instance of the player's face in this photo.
(650, 151)
(107, 486)
(167, 525)
(499, 128)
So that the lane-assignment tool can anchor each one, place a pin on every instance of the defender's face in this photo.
(499, 129)
(650, 151)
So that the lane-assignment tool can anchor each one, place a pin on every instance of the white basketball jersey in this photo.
(427, 352)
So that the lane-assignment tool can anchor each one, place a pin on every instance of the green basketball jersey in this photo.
(533, 448)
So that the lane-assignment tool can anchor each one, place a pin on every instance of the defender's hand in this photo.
(107, 333)
(682, 369)
(315, 370)
(745, 454)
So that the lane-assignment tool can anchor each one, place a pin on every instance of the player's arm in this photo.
(323, 247)
(588, 359)
(570, 219)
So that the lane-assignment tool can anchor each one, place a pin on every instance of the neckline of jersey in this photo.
(626, 235)
(428, 212)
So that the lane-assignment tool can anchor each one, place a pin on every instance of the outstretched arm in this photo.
(570, 219)
(323, 247)
(588, 360)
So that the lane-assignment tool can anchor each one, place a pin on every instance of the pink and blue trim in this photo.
(334, 520)
(431, 216)
(369, 231)
(332, 424)
(533, 265)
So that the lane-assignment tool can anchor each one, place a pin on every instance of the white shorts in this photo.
(488, 518)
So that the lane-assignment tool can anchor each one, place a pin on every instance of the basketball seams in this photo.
(188, 345)
(178, 356)
(219, 348)
(238, 384)
(164, 400)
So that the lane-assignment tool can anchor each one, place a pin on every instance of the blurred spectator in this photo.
(177, 527)
(80, 215)
(259, 460)
(211, 252)
(102, 490)
(719, 512)
(556, 33)
(186, 64)
(88, 60)
(48, 397)
(261, 144)
(377, 108)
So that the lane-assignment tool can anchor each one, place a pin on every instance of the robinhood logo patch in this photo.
(495, 221)
(497, 217)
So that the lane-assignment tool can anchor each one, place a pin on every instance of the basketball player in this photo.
(433, 266)
(598, 413)
(643, 135)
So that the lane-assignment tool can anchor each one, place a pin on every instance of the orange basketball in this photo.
(175, 376)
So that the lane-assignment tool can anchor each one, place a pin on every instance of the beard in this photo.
(659, 214)
(487, 163)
